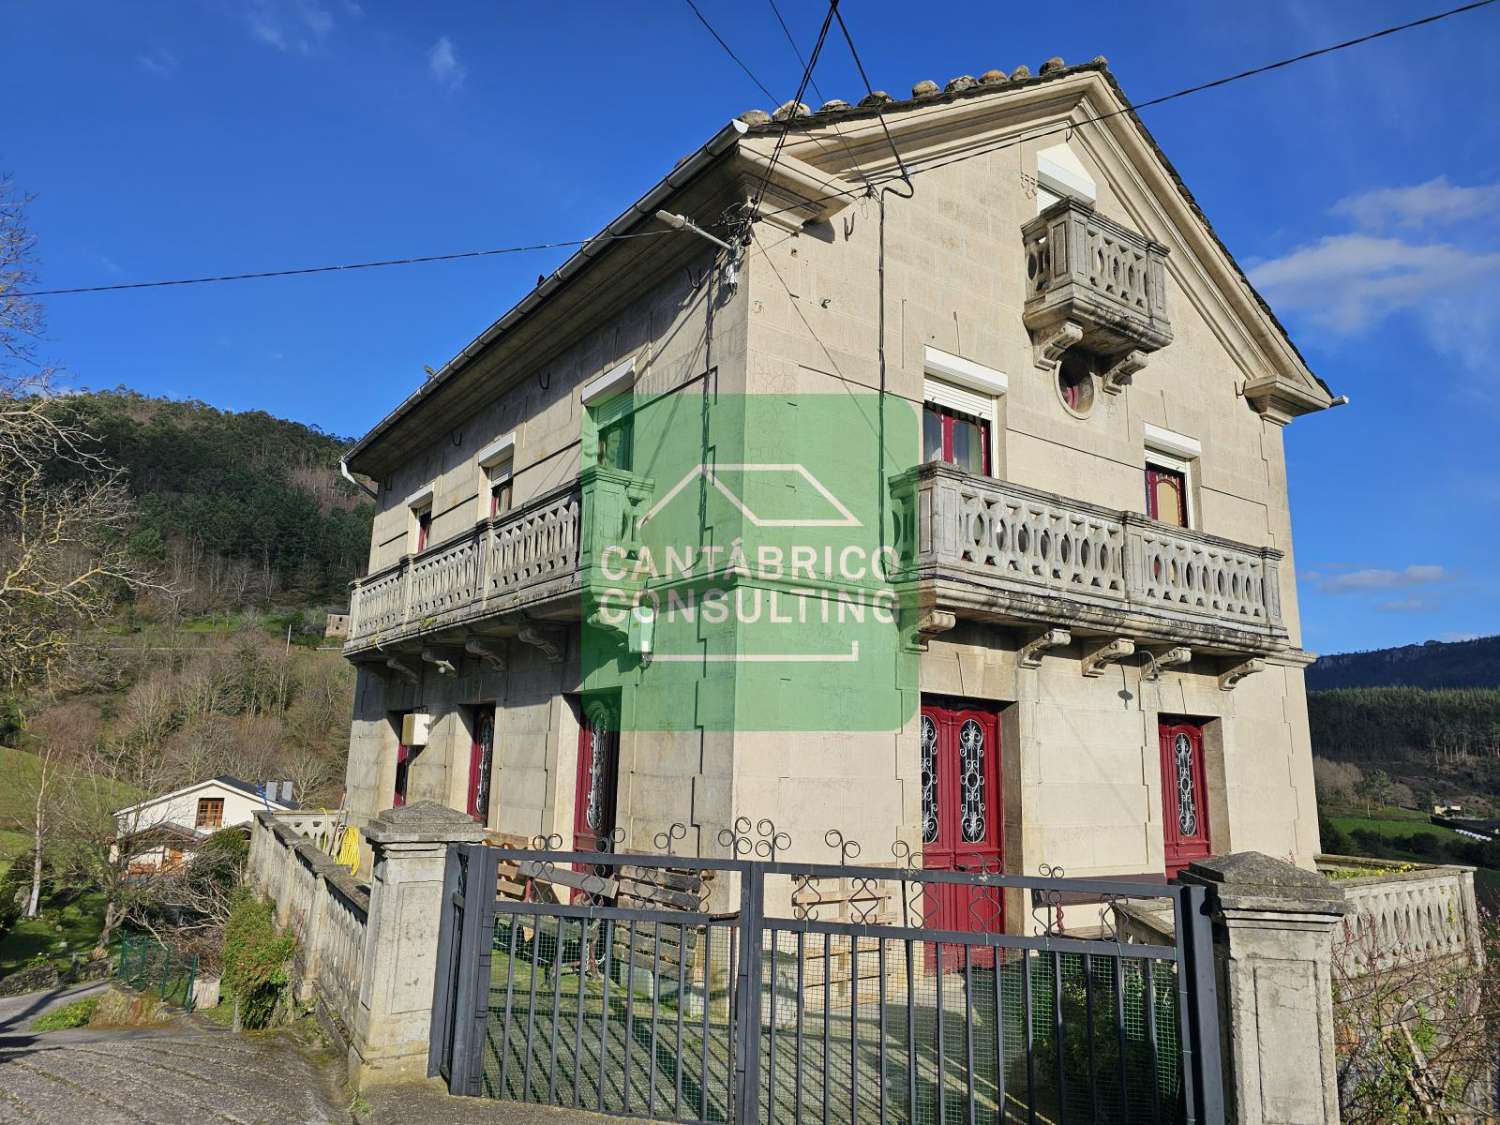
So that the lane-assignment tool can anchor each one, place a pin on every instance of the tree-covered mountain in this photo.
(1435, 664)
(234, 508)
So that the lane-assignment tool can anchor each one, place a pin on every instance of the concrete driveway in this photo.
(189, 1072)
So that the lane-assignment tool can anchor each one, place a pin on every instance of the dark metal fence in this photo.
(718, 990)
(147, 965)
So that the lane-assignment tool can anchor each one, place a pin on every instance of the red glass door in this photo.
(403, 768)
(961, 820)
(1184, 795)
(598, 764)
(481, 763)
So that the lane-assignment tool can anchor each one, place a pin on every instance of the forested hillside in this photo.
(232, 509)
(1435, 664)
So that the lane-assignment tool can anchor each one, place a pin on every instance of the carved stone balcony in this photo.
(1093, 283)
(524, 566)
(989, 550)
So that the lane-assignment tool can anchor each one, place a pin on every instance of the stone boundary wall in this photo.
(1405, 918)
(320, 901)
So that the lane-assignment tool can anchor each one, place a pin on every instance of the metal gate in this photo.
(719, 990)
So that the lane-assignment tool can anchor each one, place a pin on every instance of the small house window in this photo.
(955, 438)
(615, 443)
(500, 495)
(1170, 461)
(1166, 495)
(423, 529)
(210, 814)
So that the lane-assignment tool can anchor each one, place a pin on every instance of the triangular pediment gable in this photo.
(831, 158)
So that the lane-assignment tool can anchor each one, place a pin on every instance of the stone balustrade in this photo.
(538, 552)
(319, 901)
(1104, 279)
(497, 566)
(1404, 918)
(990, 549)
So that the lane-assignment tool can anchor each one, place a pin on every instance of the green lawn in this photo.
(58, 933)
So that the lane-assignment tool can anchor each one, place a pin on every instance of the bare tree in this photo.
(64, 513)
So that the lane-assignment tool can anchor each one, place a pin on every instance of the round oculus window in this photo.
(1075, 382)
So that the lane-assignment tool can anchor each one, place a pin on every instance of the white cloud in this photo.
(444, 66)
(1346, 283)
(1431, 204)
(1409, 605)
(1378, 578)
(293, 26)
(158, 61)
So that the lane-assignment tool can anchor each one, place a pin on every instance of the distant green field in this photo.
(20, 771)
(1392, 826)
(12, 844)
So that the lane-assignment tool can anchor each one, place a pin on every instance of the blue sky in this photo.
(180, 139)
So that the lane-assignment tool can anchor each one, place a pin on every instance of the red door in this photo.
(1184, 795)
(598, 764)
(961, 819)
(481, 762)
(403, 768)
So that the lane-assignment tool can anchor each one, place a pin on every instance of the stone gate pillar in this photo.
(1273, 928)
(401, 939)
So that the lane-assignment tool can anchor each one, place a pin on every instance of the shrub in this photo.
(257, 960)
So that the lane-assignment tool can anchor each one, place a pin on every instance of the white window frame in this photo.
(965, 386)
(1061, 175)
(418, 500)
(496, 466)
(1178, 453)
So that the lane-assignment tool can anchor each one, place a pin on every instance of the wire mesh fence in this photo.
(148, 965)
(831, 994)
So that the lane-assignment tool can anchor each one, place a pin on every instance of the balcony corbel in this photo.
(546, 641)
(1158, 662)
(1232, 676)
(1049, 346)
(492, 654)
(1121, 373)
(931, 624)
(1110, 652)
(1031, 653)
(440, 660)
(404, 669)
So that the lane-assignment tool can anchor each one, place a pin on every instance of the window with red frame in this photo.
(500, 497)
(956, 438)
(1166, 495)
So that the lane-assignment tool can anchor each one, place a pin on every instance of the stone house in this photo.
(1102, 616)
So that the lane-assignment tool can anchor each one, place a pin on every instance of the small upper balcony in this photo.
(1094, 284)
(990, 550)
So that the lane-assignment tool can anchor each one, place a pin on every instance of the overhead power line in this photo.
(1134, 107)
(300, 271)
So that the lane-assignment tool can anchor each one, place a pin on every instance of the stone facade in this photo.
(836, 290)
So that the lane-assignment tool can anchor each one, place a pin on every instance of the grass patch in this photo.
(22, 770)
(13, 844)
(1390, 827)
(69, 1016)
(62, 929)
